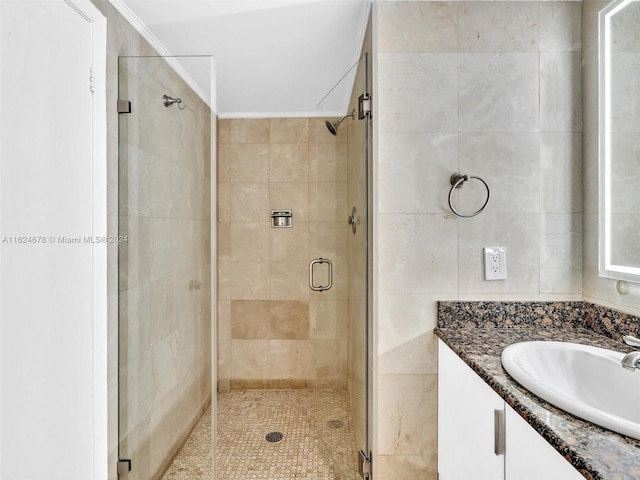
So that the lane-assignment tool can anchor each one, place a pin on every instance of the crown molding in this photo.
(171, 59)
(314, 114)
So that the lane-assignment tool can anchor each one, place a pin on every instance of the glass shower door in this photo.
(340, 197)
(164, 266)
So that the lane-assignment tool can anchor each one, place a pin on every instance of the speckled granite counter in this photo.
(595, 452)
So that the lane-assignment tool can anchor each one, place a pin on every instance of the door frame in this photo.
(99, 230)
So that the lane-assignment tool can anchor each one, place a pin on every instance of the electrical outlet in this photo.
(495, 263)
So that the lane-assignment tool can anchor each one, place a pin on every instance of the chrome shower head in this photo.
(333, 126)
(168, 101)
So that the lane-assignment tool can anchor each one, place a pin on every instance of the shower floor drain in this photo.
(335, 424)
(274, 437)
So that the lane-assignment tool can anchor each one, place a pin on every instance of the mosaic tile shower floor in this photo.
(246, 416)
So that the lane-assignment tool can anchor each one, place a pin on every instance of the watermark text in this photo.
(61, 239)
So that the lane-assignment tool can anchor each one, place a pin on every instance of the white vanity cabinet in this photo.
(529, 456)
(474, 423)
(466, 406)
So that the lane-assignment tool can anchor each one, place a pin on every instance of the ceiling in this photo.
(272, 57)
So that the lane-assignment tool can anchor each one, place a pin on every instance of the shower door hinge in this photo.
(124, 106)
(365, 465)
(364, 106)
(124, 466)
(92, 80)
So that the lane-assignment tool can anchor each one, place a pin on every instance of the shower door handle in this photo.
(312, 285)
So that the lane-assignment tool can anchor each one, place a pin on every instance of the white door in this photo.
(47, 208)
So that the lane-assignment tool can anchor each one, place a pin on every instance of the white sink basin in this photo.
(588, 382)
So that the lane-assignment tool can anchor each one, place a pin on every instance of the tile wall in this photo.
(122, 40)
(491, 89)
(164, 267)
(269, 335)
(428, 125)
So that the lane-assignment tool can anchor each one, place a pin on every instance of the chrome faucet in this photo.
(631, 360)
(631, 340)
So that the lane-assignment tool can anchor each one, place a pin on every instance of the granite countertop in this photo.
(597, 453)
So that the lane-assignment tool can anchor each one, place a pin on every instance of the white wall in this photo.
(53, 295)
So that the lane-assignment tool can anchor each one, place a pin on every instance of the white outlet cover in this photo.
(495, 263)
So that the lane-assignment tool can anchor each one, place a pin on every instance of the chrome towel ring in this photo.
(457, 180)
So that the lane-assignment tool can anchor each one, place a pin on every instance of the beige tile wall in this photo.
(123, 40)
(269, 333)
(165, 211)
(486, 88)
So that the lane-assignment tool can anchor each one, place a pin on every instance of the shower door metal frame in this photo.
(366, 113)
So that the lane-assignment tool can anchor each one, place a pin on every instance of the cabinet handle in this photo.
(498, 432)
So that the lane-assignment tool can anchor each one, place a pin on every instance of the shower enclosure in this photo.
(294, 291)
(164, 212)
(341, 274)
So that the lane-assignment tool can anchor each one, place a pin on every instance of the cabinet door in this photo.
(529, 456)
(466, 408)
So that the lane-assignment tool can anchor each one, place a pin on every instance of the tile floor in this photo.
(193, 461)
(246, 416)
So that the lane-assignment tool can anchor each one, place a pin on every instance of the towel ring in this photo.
(457, 179)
